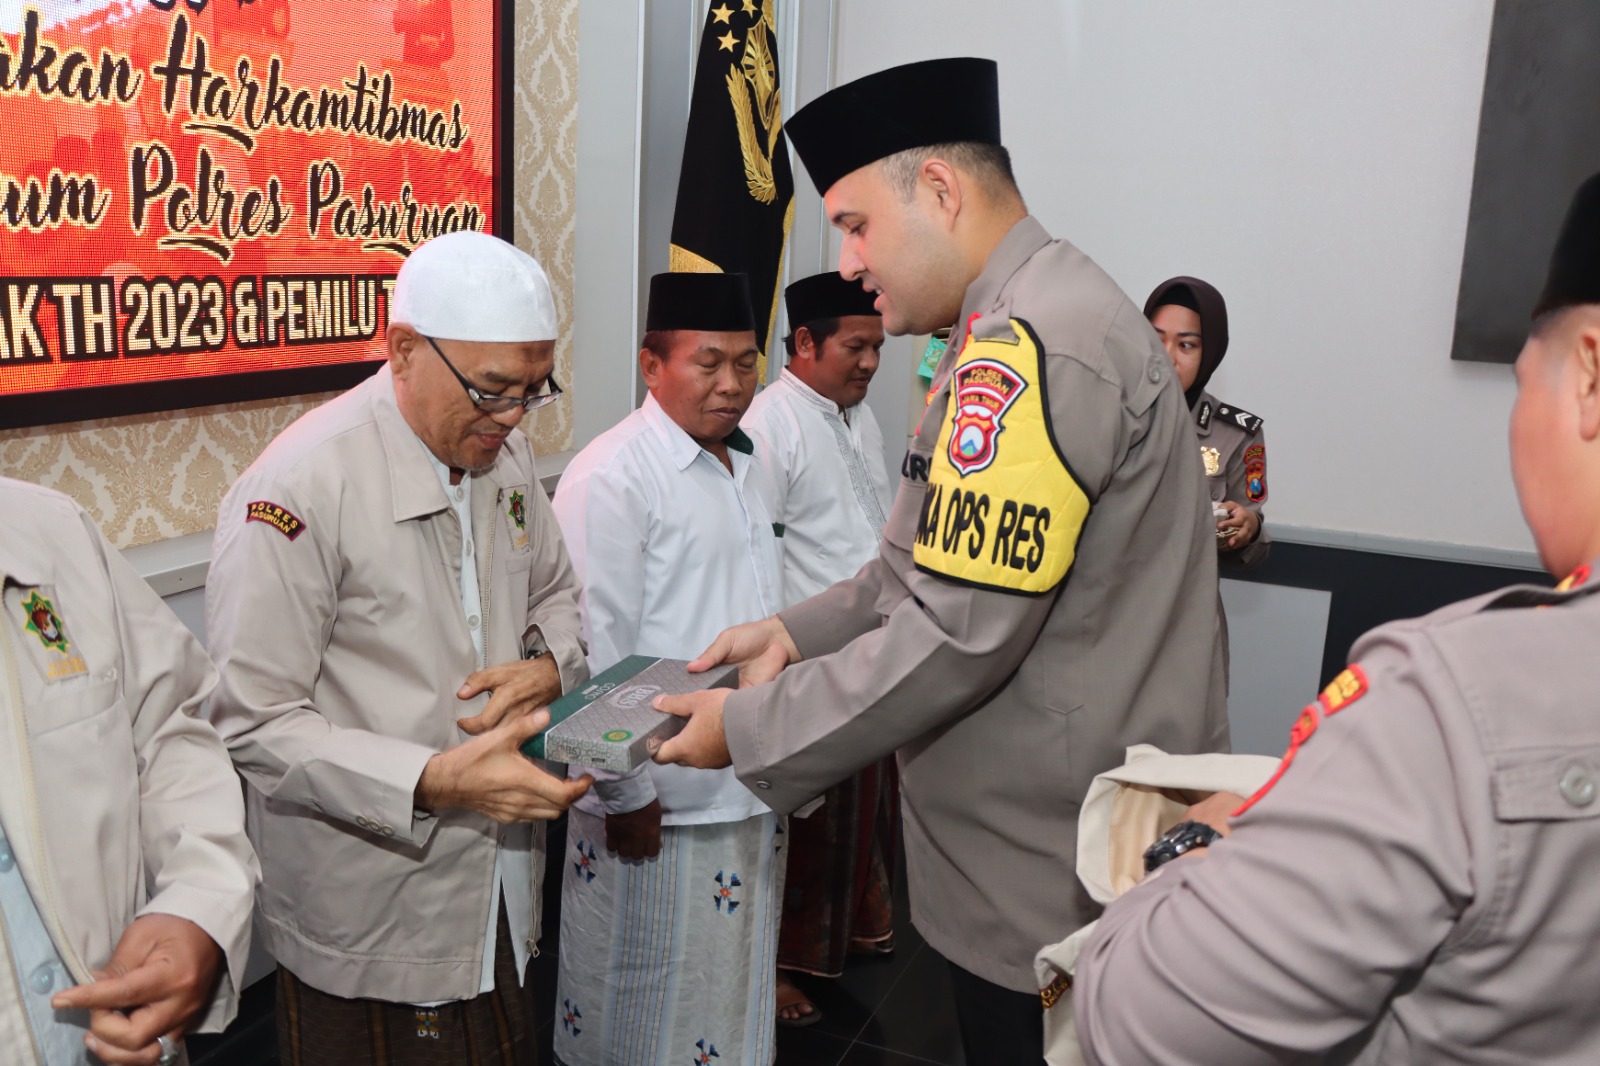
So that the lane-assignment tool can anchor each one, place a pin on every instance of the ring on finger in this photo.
(170, 1050)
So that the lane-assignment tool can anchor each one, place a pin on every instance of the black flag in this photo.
(736, 191)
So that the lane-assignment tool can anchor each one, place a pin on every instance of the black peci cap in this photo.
(937, 101)
(1574, 276)
(825, 296)
(713, 303)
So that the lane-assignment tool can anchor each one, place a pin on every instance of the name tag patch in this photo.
(275, 516)
(1003, 511)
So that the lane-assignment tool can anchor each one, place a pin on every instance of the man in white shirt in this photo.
(823, 451)
(669, 912)
(390, 606)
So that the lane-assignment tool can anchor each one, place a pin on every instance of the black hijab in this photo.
(1207, 302)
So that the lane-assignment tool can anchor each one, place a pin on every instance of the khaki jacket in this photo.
(1418, 885)
(118, 801)
(334, 613)
(1004, 706)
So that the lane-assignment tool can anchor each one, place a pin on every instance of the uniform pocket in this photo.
(1547, 786)
(72, 700)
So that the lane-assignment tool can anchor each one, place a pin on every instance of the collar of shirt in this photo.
(683, 449)
(815, 398)
(1016, 248)
(413, 491)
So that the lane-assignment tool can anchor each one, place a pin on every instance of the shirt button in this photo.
(388, 830)
(43, 979)
(472, 621)
(468, 547)
(1578, 786)
(8, 861)
(763, 784)
(460, 493)
(1155, 374)
(361, 820)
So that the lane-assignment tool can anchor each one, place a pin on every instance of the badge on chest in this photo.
(38, 618)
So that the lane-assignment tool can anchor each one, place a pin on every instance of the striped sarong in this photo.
(671, 960)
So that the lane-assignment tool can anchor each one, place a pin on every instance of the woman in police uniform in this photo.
(1191, 319)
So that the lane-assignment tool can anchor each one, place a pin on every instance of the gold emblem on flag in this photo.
(1213, 460)
(756, 76)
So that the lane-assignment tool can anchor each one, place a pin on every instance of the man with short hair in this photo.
(823, 453)
(1046, 592)
(1417, 883)
(125, 874)
(390, 604)
(669, 912)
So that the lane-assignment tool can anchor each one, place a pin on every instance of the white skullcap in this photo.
(470, 286)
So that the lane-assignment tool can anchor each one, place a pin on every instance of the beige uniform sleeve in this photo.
(270, 606)
(1338, 883)
(916, 650)
(1255, 553)
(198, 861)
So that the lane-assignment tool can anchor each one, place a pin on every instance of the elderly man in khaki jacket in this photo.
(124, 867)
(390, 605)
(1418, 883)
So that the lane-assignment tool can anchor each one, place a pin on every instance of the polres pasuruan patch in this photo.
(276, 516)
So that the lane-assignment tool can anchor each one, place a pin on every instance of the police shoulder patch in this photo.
(1003, 510)
(1343, 690)
(1235, 416)
(277, 517)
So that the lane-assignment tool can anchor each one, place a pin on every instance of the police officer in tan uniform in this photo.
(1045, 593)
(125, 873)
(390, 604)
(1417, 883)
(1191, 319)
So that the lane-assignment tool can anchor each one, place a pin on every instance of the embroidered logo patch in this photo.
(427, 1024)
(985, 390)
(42, 620)
(1255, 480)
(706, 1051)
(571, 1017)
(274, 516)
(1344, 690)
(518, 511)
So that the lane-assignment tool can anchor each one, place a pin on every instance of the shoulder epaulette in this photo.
(1234, 416)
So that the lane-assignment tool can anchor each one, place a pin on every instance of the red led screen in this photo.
(207, 200)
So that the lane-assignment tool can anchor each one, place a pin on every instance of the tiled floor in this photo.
(891, 1011)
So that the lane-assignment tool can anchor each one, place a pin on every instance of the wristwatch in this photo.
(1185, 836)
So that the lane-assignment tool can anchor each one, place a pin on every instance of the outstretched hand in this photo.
(761, 649)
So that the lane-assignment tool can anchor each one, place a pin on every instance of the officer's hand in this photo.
(1244, 523)
(637, 834)
(1215, 810)
(518, 688)
(489, 775)
(702, 744)
(762, 649)
(158, 982)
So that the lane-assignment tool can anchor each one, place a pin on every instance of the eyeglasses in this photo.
(493, 403)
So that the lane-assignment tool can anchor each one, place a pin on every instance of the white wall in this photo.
(1312, 161)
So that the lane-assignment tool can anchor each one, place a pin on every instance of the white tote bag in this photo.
(1126, 810)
